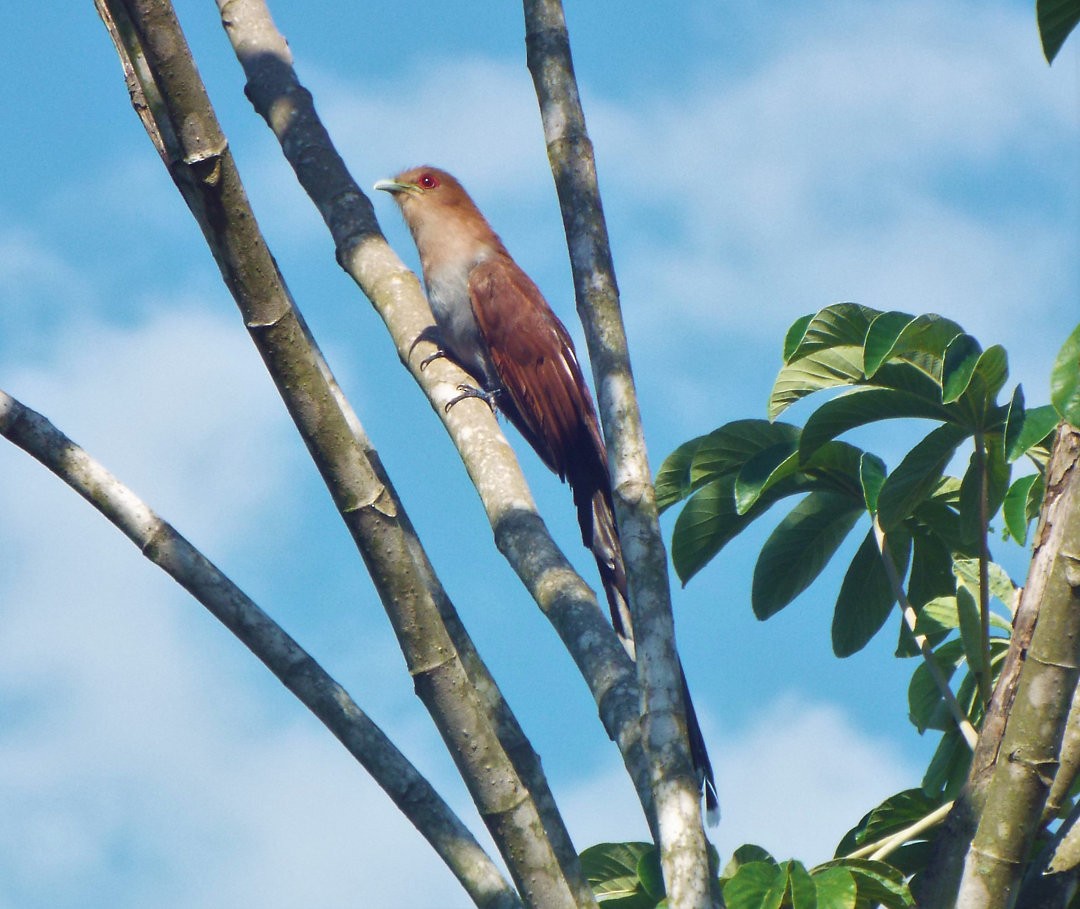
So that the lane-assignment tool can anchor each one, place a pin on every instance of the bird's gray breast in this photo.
(459, 332)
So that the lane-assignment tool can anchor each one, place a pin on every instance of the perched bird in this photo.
(495, 324)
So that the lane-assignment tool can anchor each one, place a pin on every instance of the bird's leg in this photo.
(471, 391)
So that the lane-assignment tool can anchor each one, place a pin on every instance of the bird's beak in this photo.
(392, 186)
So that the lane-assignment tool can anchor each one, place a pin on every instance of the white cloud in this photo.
(472, 115)
(858, 159)
(225, 442)
(794, 781)
(861, 160)
(143, 758)
(800, 777)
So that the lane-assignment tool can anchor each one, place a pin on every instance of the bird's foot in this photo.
(471, 391)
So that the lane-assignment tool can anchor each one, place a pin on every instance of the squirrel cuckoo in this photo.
(492, 321)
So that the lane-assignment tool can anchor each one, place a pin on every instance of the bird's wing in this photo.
(534, 357)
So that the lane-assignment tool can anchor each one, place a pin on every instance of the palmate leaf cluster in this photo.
(925, 541)
(894, 366)
(627, 876)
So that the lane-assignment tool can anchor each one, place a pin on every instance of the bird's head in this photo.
(425, 189)
(436, 206)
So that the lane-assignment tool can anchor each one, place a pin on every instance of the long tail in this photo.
(596, 518)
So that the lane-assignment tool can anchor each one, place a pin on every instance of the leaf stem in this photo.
(880, 849)
(910, 617)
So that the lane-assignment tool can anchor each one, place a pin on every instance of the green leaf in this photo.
(990, 375)
(896, 813)
(860, 407)
(836, 888)
(763, 470)
(917, 475)
(912, 858)
(799, 548)
(1056, 19)
(939, 616)
(727, 450)
(611, 870)
(745, 854)
(1035, 425)
(966, 572)
(838, 325)
(926, 705)
(1025, 429)
(998, 473)
(866, 596)
(795, 335)
(721, 452)
(872, 475)
(997, 483)
(961, 358)
(756, 885)
(949, 766)
(709, 521)
(881, 338)
(890, 336)
(1022, 504)
(909, 376)
(651, 875)
(877, 882)
(827, 368)
(1014, 422)
(673, 478)
(801, 886)
(1065, 379)
(931, 569)
(706, 524)
(836, 467)
(970, 628)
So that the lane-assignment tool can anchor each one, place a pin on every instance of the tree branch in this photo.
(938, 883)
(1068, 763)
(1028, 759)
(520, 534)
(530, 837)
(283, 656)
(675, 787)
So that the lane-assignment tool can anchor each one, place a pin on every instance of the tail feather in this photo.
(596, 517)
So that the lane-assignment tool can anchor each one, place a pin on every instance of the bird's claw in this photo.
(438, 355)
(471, 391)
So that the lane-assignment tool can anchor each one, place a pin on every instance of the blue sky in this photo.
(758, 161)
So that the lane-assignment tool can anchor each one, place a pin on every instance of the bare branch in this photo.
(675, 787)
(529, 833)
(520, 534)
(283, 656)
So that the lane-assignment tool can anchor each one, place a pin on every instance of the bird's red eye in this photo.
(428, 181)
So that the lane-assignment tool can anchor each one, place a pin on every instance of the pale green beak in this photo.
(392, 186)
